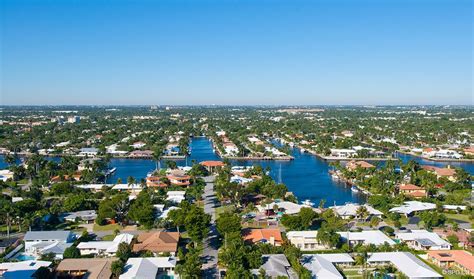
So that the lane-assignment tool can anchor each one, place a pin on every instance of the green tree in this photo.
(71, 253)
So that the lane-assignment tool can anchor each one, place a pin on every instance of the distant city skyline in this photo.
(206, 52)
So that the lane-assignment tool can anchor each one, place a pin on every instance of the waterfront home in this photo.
(305, 240)
(212, 166)
(88, 151)
(5, 175)
(454, 259)
(447, 154)
(90, 268)
(324, 265)
(285, 207)
(469, 151)
(423, 240)
(271, 236)
(179, 179)
(141, 154)
(151, 267)
(448, 172)
(131, 188)
(94, 187)
(375, 237)
(138, 144)
(157, 242)
(353, 165)
(405, 262)
(230, 148)
(410, 207)
(23, 269)
(276, 266)
(463, 235)
(176, 196)
(412, 190)
(77, 176)
(155, 182)
(104, 248)
(350, 210)
(86, 164)
(172, 150)
(87, 216)
(343, 153)
(240, 179)
(38, 243)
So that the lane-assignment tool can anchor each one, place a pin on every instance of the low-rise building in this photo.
(324, 265)
(271, 236)
(23, 269)
(375, 237)
(87, 216)
(343, 153)
(454, 259)
(305, 240)
(179, 180)
(212, 166)
(90, 268)
(405, 262)
(104, 248)
(463, 236)
(153, 267)
(38, 243)
(350, 210)
(410, 207)
(448, 172)
(176, 196)
(157, 242)
(353, 165)
(423, 240)
(412, 190)
(285, 207)
(276, 266)
(88, 151)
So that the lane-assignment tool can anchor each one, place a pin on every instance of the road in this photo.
(211, 243)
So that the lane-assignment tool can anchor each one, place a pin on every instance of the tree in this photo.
(228, 222)
(453, 239)
(71, 253)
(191, 268)
(123, 252)
(117, 267)
(142, 209)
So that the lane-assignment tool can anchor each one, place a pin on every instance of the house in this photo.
(90, 268)
(157, 242)
(324, 265)
(23, 269)
(86, 164)
(412, 190)
(410, 207)
(454, 259)
(305, 240)
(405, 262)
(353, 165)
(42, 242)
(447, 154)
(230, 148)
(240, 179)
(448, 172)
(423, 240)
(94, 187)
(469, 151)
(88, 151)
(343, 153)
(5, 175)
(155, 181)
(349, 210)
(464, 236)
(375, 237)
(271, 236)
(87, 216)
(6, 243)
(138, 144)
(176, 196)
(179, 179)
(141, 154)
(104, 248)
(131, 188)
(276, 266)
(75, 177)
(285, 207)
(212, 166)
(153, 267)
(347, 134)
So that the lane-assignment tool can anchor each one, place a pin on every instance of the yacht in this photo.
(110, 171)
(354, 189)
(308, 203)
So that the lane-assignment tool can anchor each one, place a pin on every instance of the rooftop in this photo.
(405, 262)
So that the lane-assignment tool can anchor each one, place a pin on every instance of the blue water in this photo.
(306, 176)
(23, 257)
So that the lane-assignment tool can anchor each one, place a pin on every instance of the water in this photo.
(306, 176)
(23, 257)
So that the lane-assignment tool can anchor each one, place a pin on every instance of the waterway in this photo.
(306, 176)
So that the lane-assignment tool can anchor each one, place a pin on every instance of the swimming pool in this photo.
(23, 257)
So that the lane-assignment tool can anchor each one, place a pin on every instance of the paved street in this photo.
(211, 242)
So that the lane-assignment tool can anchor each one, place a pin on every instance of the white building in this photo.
(423, 240)
(410, 207)
(343, 153)
(73, 119)
(88, 151)
(323, 265)
(176, 196)
(104, 248)
(305, 240)
(375, 237)
(5, 175)
(349, 210)
(38, 243)
(405, 262)
(23, 269)
(447, 154)
(155, 267)
(284, 206)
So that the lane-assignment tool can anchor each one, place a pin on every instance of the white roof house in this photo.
(104, 247)
(322, 265)
(305, 240)
(128, 187)
(23, 269)
(423, 240)
(405, 262)
(375, 237)
(276, 265)
(148, 267)
(94, 187)
(42, 242)
(413, 206)
(175, 196)
(350, 210)
(288, 207)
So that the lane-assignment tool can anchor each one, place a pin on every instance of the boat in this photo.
(308, 203)
(354, 189)
(302, 150)
(110, 171)
(335, 176)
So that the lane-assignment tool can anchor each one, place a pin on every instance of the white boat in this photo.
(335, 176)
(302, 150)
(308, 203)
(354, 189)
(110, 171)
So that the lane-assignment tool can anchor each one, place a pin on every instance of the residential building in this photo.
(179, 180)
(104, 248)
(405, 262)
(131, 188)
(454, 259)
(350, 210)
(176, 196)
(73, 119)
(423, 240)
(464, 236)
(155, 182)
(6, 243)
(276, 266)
(324, 265)
(90, 268)
(375, 237)
(271, 236)
(5, 175)
(412, 190)
(88, 151)
(343, 153)
(212, 166)
(305, 240)
(23, 269)
(410, 207)
(138, 144)
(155, 267)
(43, 242)
(157, 242)
(141, 154)
(353, 165)
(285, 207)
(448, 172)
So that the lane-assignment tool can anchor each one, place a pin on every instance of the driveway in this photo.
(211, 243)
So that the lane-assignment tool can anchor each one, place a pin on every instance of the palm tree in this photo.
(362, 212)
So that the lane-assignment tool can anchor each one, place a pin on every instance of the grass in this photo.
(109, 237)
(456, 216)
(110, 227)
(225, 208)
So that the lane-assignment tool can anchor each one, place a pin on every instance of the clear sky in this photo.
(236, 52)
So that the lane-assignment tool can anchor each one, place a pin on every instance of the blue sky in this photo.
(236, 52)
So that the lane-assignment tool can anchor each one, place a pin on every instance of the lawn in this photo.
(111, 227)
(225, 208)
(109, 237)
(456, 216)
